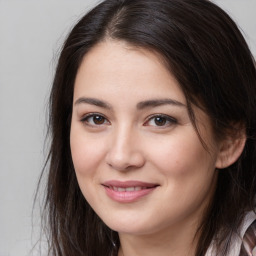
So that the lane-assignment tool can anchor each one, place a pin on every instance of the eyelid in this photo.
(170, 119)
(91, 115)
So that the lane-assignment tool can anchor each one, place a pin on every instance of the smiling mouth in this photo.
(129, 191)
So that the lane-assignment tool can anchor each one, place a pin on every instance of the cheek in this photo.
(185, 165)
(188, 172)
(86, 152)
(86, 155)
(180, 154)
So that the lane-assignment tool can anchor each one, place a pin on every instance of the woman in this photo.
(153, 124)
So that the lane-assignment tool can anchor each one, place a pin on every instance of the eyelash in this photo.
(166, 120)
(87, 117)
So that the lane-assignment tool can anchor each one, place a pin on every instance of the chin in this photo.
(133, 227)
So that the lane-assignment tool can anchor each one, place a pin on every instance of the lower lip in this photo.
(127, 196)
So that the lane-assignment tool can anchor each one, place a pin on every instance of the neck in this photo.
(175, 243)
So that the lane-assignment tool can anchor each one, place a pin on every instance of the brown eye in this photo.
(98, 119)
(160, 121)
(94, 120)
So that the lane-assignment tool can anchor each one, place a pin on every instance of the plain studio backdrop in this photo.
(31, 34)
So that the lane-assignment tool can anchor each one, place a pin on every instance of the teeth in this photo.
(127, 189)
(131, 189)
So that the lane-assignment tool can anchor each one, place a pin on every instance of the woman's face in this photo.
(138, 160)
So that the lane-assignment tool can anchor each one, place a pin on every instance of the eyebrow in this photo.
(141, 105)
(159, 102)
(93, 101)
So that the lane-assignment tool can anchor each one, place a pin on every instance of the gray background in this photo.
(31, 33)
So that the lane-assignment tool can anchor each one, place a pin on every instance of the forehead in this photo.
(115, 66)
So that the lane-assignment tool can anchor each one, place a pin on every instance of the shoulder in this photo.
(244, 243)
(248, 245)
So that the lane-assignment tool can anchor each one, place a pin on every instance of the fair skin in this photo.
(138, 159)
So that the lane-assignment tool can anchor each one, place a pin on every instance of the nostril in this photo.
(125, 161)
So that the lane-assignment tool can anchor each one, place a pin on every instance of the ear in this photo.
(230, 150)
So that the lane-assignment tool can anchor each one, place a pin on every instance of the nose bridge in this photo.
(124, 151)
(123, 138)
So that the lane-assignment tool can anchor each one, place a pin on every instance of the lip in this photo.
(128, 191)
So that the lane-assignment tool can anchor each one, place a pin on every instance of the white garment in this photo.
(237, 240)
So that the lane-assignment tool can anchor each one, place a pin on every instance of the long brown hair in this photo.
(207, 54)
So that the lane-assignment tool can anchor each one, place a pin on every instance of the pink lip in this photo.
(142, 189)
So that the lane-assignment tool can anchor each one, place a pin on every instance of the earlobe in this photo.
(230, 151)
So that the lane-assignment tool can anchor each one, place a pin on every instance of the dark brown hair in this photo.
(209, 57)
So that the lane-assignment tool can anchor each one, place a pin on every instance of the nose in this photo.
(125, 151)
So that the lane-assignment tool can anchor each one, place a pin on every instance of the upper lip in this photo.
(129, 183)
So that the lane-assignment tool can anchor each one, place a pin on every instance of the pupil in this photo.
(160, 121)
(98, 119)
